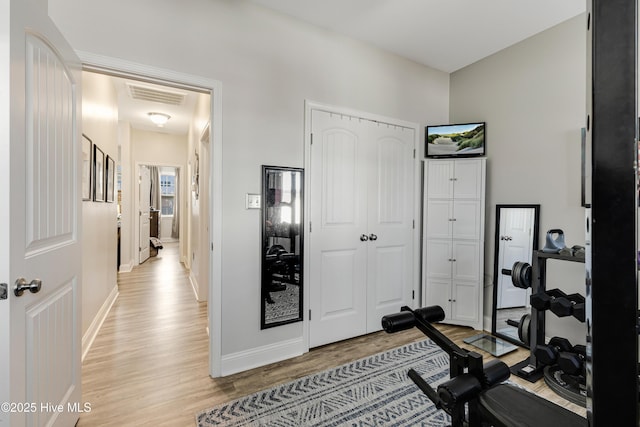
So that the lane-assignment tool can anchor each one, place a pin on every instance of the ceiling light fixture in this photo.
(159, 118)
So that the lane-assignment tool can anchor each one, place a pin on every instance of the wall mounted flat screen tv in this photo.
(456, 140)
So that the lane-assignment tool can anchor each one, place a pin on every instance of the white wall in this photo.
(268, 65)
(199, 212)
(99, 231)
(533, 97)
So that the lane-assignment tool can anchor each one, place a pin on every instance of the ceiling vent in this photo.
(146, 93)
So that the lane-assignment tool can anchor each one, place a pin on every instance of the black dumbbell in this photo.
(547, 355)
(571, 305)
(542, 300)
(572, 362)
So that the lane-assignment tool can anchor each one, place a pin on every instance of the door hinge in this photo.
(4, 290)
(212, 247)
(414, 224)
(414, 153)
(311, 139)
(309, 315)
(310, 227)
(413, 294)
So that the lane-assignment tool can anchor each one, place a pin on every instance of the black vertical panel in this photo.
(611, 275)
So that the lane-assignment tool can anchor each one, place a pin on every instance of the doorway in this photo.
(202, 87)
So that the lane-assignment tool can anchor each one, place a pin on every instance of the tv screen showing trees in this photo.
(456, 140)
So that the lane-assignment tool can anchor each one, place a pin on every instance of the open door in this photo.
(40, 231)
(145, 212)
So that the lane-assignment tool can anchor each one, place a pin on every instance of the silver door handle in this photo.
(373, 237)
(22, 285)
(364, 238)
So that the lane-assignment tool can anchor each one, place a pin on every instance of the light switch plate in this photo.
(253, 201)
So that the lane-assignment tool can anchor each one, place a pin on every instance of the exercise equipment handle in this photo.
(425, 387)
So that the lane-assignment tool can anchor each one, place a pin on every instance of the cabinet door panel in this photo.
(468, 219)
(439, 179)
(438, 253)
(439, 215)
(465, 305)
(467, 263)
(468, 179)
(439, 293)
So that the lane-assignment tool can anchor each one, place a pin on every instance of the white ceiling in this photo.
(136, 111)
(442, 34)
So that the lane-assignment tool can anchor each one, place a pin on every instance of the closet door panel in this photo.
(338, 217)
(390, 221)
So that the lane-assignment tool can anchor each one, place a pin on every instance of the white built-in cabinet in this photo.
(453, 238)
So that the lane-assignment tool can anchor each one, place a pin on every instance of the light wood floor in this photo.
(149, 362)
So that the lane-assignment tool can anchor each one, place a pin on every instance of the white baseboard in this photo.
(245, 360)
(126, 268)
(94, 328)
(194, 284)
(487, 323)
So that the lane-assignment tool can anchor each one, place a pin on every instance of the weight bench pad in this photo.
(507, 405)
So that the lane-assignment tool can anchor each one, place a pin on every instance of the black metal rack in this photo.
(529, 369)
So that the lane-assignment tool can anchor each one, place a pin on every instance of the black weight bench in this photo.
(508, 405)
(476, 394)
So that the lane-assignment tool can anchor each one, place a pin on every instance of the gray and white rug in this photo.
(374, 391)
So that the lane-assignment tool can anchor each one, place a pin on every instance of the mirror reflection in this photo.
(281, 245)
(516, 239)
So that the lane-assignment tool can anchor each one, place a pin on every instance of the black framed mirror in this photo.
(517, 234)
(282, 245)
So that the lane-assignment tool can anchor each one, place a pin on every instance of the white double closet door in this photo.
(361, 224)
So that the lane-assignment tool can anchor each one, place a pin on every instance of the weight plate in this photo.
(524, 329)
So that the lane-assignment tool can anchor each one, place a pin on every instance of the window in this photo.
(167, 193)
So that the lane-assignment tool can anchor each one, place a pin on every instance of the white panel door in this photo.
(516, 245)
(390, 221)
(40, 165)
(145, 213)
(338, 235)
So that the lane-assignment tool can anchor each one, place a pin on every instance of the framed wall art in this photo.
(87, 146)
(110, 176)
(98, 174)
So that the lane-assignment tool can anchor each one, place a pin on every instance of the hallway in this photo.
(149, 363)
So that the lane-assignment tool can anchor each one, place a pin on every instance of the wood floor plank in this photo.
(149, 363)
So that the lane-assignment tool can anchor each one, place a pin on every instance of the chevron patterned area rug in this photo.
(374, 391)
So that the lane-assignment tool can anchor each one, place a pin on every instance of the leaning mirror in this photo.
(516, 239)
(281, 245)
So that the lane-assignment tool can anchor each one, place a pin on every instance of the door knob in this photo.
(373, 237)
(364, 237)
(22, 285)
